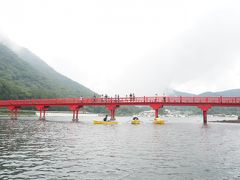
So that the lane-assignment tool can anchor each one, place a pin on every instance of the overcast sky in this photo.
(144, 47)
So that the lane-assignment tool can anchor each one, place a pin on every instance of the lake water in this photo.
(183, 148)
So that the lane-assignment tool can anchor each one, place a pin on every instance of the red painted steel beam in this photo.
(139, 101)
(111, 104)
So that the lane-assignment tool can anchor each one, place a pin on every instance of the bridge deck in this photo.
(204, 103)
(165, 101)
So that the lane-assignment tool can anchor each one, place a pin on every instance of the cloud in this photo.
(141, 46)
(200, 59)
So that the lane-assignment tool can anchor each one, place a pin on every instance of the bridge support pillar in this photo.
(205, 117)
(204, 109)
(42, 112)
(13, 112)
(156, 107)
(112, 109)
(75, 110)
(156, 113)
(113, 115)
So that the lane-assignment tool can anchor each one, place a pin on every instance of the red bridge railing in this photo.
(168, 100)
(204, 103)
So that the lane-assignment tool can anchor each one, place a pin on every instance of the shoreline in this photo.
(227, 121)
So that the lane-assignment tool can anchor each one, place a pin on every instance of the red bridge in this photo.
(74, 104)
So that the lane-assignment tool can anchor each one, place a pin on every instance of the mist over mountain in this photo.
(231, 92)
(179, 93)
(24, 75)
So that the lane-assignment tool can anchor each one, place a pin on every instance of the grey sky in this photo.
(128, 46)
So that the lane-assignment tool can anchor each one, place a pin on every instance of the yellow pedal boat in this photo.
(104, 122)
(159, 121)
(135, 121)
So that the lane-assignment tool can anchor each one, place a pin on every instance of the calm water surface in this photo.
(60, 149)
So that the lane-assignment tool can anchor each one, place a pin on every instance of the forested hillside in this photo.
(26, 76)
(23, 75)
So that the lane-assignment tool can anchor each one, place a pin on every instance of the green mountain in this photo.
(179, 93)
(231, 92)
(24, 75)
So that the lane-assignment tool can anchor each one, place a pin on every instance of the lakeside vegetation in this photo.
(5, 111)
(197, 111)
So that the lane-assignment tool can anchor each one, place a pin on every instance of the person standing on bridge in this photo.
(130, 96)
(156, 97)
(106, 96)
(164, 98)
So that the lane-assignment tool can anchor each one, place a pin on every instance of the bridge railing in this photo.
(125, 100)
(230, 99)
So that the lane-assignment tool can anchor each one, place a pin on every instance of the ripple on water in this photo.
(63, 150)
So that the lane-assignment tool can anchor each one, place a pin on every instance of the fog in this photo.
(141, 47)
